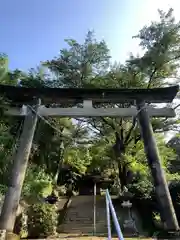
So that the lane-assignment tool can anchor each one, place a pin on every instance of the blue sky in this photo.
(34, 30)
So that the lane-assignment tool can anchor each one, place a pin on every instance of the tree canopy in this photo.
(109, 146)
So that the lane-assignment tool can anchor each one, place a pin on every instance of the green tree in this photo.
(79, 64)
(159, 41)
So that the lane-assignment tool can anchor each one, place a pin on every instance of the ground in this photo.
(63, 237)
(100, 238)
(90, 238)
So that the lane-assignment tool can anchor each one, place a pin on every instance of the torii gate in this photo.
(21, 98)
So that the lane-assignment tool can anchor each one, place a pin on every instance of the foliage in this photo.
(37, 183)
(7, 77)
(160, 41)
(20, 226)
(79, 158)
(101, 154)
(6, 149)
(42, 219)
(77, 65)
(3, 189)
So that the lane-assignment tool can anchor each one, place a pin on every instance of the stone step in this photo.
(79, 217)
(87, 231)
(75, 230)
(83, 222)
(82, 218)
(82, 230)
(82, 225)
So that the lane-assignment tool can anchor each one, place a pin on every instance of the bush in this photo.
(42, 220)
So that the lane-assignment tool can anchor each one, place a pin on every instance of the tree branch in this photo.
(134, 123)
(122, 130)
(176, 106)
(151, 77)
(108, 123)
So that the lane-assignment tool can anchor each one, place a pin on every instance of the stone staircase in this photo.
(79, 216)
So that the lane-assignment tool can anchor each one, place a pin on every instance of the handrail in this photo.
(110, 209)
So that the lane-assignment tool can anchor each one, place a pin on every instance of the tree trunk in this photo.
(11, 202)
(161, 187)
(122, 175)
(119, 150)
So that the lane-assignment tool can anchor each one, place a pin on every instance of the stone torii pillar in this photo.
(152, 153)
(12, 197)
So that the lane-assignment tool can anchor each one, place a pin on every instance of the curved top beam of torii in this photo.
(23, 95)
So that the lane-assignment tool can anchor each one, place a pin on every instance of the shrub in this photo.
(42, 220)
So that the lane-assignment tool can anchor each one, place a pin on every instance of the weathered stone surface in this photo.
(12, 236)
(129, 228)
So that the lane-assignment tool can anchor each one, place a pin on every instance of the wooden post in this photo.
(160, 184)
(94, 222)
(12, 197)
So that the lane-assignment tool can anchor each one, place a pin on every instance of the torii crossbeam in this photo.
(21, 96)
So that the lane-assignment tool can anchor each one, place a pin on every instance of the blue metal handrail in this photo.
(110, 209)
